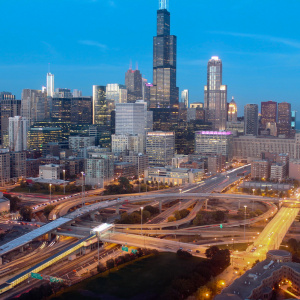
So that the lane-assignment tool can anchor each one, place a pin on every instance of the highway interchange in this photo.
(202, 189)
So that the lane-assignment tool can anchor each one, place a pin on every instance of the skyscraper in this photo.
(284, 119)
(131, 118)
(7, 96)
(9, 108)
(134, 85)
(116, 92)
(185, 98)
(215, 95)
(232, 111)
(100, 105)
(251, 119)
(164, 93)
(50, 84)
(81, 110)
(268, 112)
(160, 148)
(18, 128)
(35, 106)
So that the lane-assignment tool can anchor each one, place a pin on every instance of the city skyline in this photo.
(81, 58)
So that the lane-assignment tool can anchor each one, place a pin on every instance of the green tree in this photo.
(211, 251)
(153, 210)
(219, 216)
(47, 210)
(26, 213)
(171, 219)
(14, 202)
(110, 264)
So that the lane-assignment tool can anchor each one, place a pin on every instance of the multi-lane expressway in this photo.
(198, 192)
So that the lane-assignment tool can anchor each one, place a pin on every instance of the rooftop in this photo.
(244, 285)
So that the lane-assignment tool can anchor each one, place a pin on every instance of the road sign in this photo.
(124, 248)
(134, 251)
(37, 276)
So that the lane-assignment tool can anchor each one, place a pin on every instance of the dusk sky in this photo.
(92, 42)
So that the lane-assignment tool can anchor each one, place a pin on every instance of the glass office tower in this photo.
(215, 95)
(164, 93)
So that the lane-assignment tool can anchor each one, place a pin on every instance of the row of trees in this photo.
(178, 215)
(42, 292)
(45, 188)
(184, 286)
(111, 263)
(209, 217)
(125, 187)
(249, 213)
(267, 192)
(135, 217)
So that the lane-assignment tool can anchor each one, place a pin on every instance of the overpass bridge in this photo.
(91, 209)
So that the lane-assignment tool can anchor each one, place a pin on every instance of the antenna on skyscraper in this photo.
(130, 65)
(48, 67)
(136, 65)
(163, 4)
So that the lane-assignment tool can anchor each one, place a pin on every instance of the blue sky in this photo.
(92, 41)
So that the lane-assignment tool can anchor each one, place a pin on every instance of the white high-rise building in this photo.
(99, 167)
(17, 133)
(50, 84)
(160, 148)
(131, 118)
(185, 98)
(123, 143)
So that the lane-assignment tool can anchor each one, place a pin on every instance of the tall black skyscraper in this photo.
(164, 93)
(134, 85)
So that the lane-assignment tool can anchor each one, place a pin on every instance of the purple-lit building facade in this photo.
(214, 142)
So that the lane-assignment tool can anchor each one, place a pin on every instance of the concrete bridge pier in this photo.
(93, 216)
(118, 209)
(160, 206)
(51, 235)
(206, 201)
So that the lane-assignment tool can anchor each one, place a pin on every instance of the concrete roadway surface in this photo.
(208, 185)
(188, 219)
(32, 258)
(64, 269)
(170, 211)
(273, 234)
(143, 241)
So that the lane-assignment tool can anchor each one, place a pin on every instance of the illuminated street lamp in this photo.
(50, 190)
(64, 172)
(142, 220)
(245, 222)
(82, 196)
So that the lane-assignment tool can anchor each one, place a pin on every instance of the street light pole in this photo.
(50, 191)
(98, 248)
(64, 172)
(245, 222)
(142, 220)
(82, 196)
